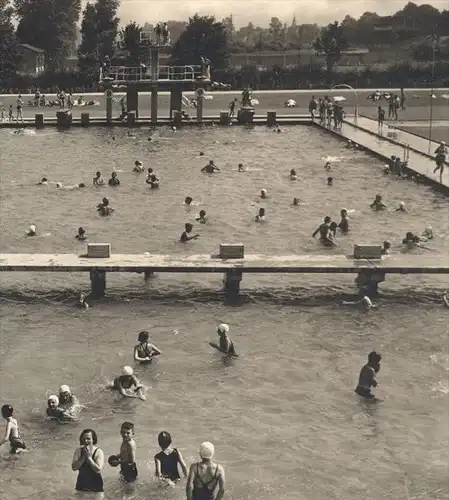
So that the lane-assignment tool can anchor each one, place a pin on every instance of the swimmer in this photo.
(81, 236)
(205, 476)
(402, 207)
(263, 194)
(167, 460)
(210, 168)
(333, 228)
(12, 433)
(128, 382)
(411, 240)
(82, 301)
(114, 180)
(378, 204)
(202, 219)
(54, 412)
(201, 153)
(127, 456)
(31, 231)
(241, 168)
(344, 223)
(138, 166)
(386, 248)
(67, 400)
(226, 345)
(446, 299)
(367, 377)
(188, 200)
(58, 185)
(386, 169)
(349, 145)
(186, 236)
(295, 202)
(43, 182)
(427, 234)
(327, 166)
(98, 179)
(104, 209)
(330, 181)
(293, 175)
(326, 237)
(144, 352)
(153, 181)
(364, 301)
(260, 217)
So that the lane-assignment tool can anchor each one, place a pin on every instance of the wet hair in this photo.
(44, 179)
(240, 165)
(202, 213)
(188, 200)
(333, 225)
(81, 230)
(7, 411)
(98, 173)
(327, 219)
(127, 426)
(82, 185)
(94, 436)
(105, 201)
(164, 439)
(374, 357)
(143, 336)
(188, 225)
(329, 180)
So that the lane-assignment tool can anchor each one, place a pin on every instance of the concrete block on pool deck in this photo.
(228, 251)
(85, 119)
(367, 251)
(64, 119)
(131, 118)
(224, 117)
(98, 250)
(246, 115)
(39, 120)
(271, 118)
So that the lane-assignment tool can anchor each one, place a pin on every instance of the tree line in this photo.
(52, 25)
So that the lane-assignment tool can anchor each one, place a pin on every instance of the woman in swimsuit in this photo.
(167, 460)
(144, 351)
(88, 460)
(204, 477)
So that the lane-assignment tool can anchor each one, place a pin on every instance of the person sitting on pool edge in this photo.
(128, 385)
(144, 351)
(367, 377)
(186, 236)
(225, 344)
(210, 168)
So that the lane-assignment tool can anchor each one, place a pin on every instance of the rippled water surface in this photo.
(284, 419)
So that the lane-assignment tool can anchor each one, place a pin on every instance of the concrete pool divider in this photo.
(367, 262)
(420, 166)
(65, 120)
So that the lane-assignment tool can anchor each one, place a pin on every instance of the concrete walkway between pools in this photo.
(385, 147)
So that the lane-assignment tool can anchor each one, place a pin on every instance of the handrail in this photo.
(142, 73)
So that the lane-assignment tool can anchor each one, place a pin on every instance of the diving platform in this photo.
(370, 272)
(123, 75)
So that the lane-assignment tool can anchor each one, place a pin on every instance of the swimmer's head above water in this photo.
(223, 329)
(263, 193)
(32, 230)
(127, 371)
(53, 401)
(188, 200)
(207, 450)
(143, 336)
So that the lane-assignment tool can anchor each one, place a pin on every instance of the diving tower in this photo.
(150, 75)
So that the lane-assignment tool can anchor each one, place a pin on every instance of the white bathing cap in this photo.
(58, 184)
(64, 388)
(138, 162)
(223, 328)
(127, 370)
(264, 191)
(443, 143)
(33, 228)
(402, 204)
(54, 399)
(207, 450)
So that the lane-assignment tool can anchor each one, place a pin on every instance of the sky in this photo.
(260, 11)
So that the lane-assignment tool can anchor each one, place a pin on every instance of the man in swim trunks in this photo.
(367, 377)
(128, 382)
(127, 455)
(210, 168)
(205, 476)
(12, 430)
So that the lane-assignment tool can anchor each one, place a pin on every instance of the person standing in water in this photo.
(226, 345)
(210, 168)
(186, 235)
(144, 352)
(367, 377)
(12, 431)
(127, 455)
(205, 476)
(88, 460)
(167, 460)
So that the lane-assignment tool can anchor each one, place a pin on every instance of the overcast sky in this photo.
(260, 11)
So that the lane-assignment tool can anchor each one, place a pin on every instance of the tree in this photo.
(49, 25)
(277, 33)
(131, 44)
(203, 37)
(8, 43)
(107, 26)
(331, 43)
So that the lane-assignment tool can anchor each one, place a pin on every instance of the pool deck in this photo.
(419, 162)
(429, 263)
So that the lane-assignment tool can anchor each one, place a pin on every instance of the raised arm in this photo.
(78, 459)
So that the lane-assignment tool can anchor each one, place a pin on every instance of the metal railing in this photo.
(125, 74)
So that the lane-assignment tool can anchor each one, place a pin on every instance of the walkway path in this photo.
(418, 162)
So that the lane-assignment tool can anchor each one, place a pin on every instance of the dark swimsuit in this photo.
(128, 472)
(88, 479)
(16, 443)
(169, 464)
(203, 492)
(143, 351)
